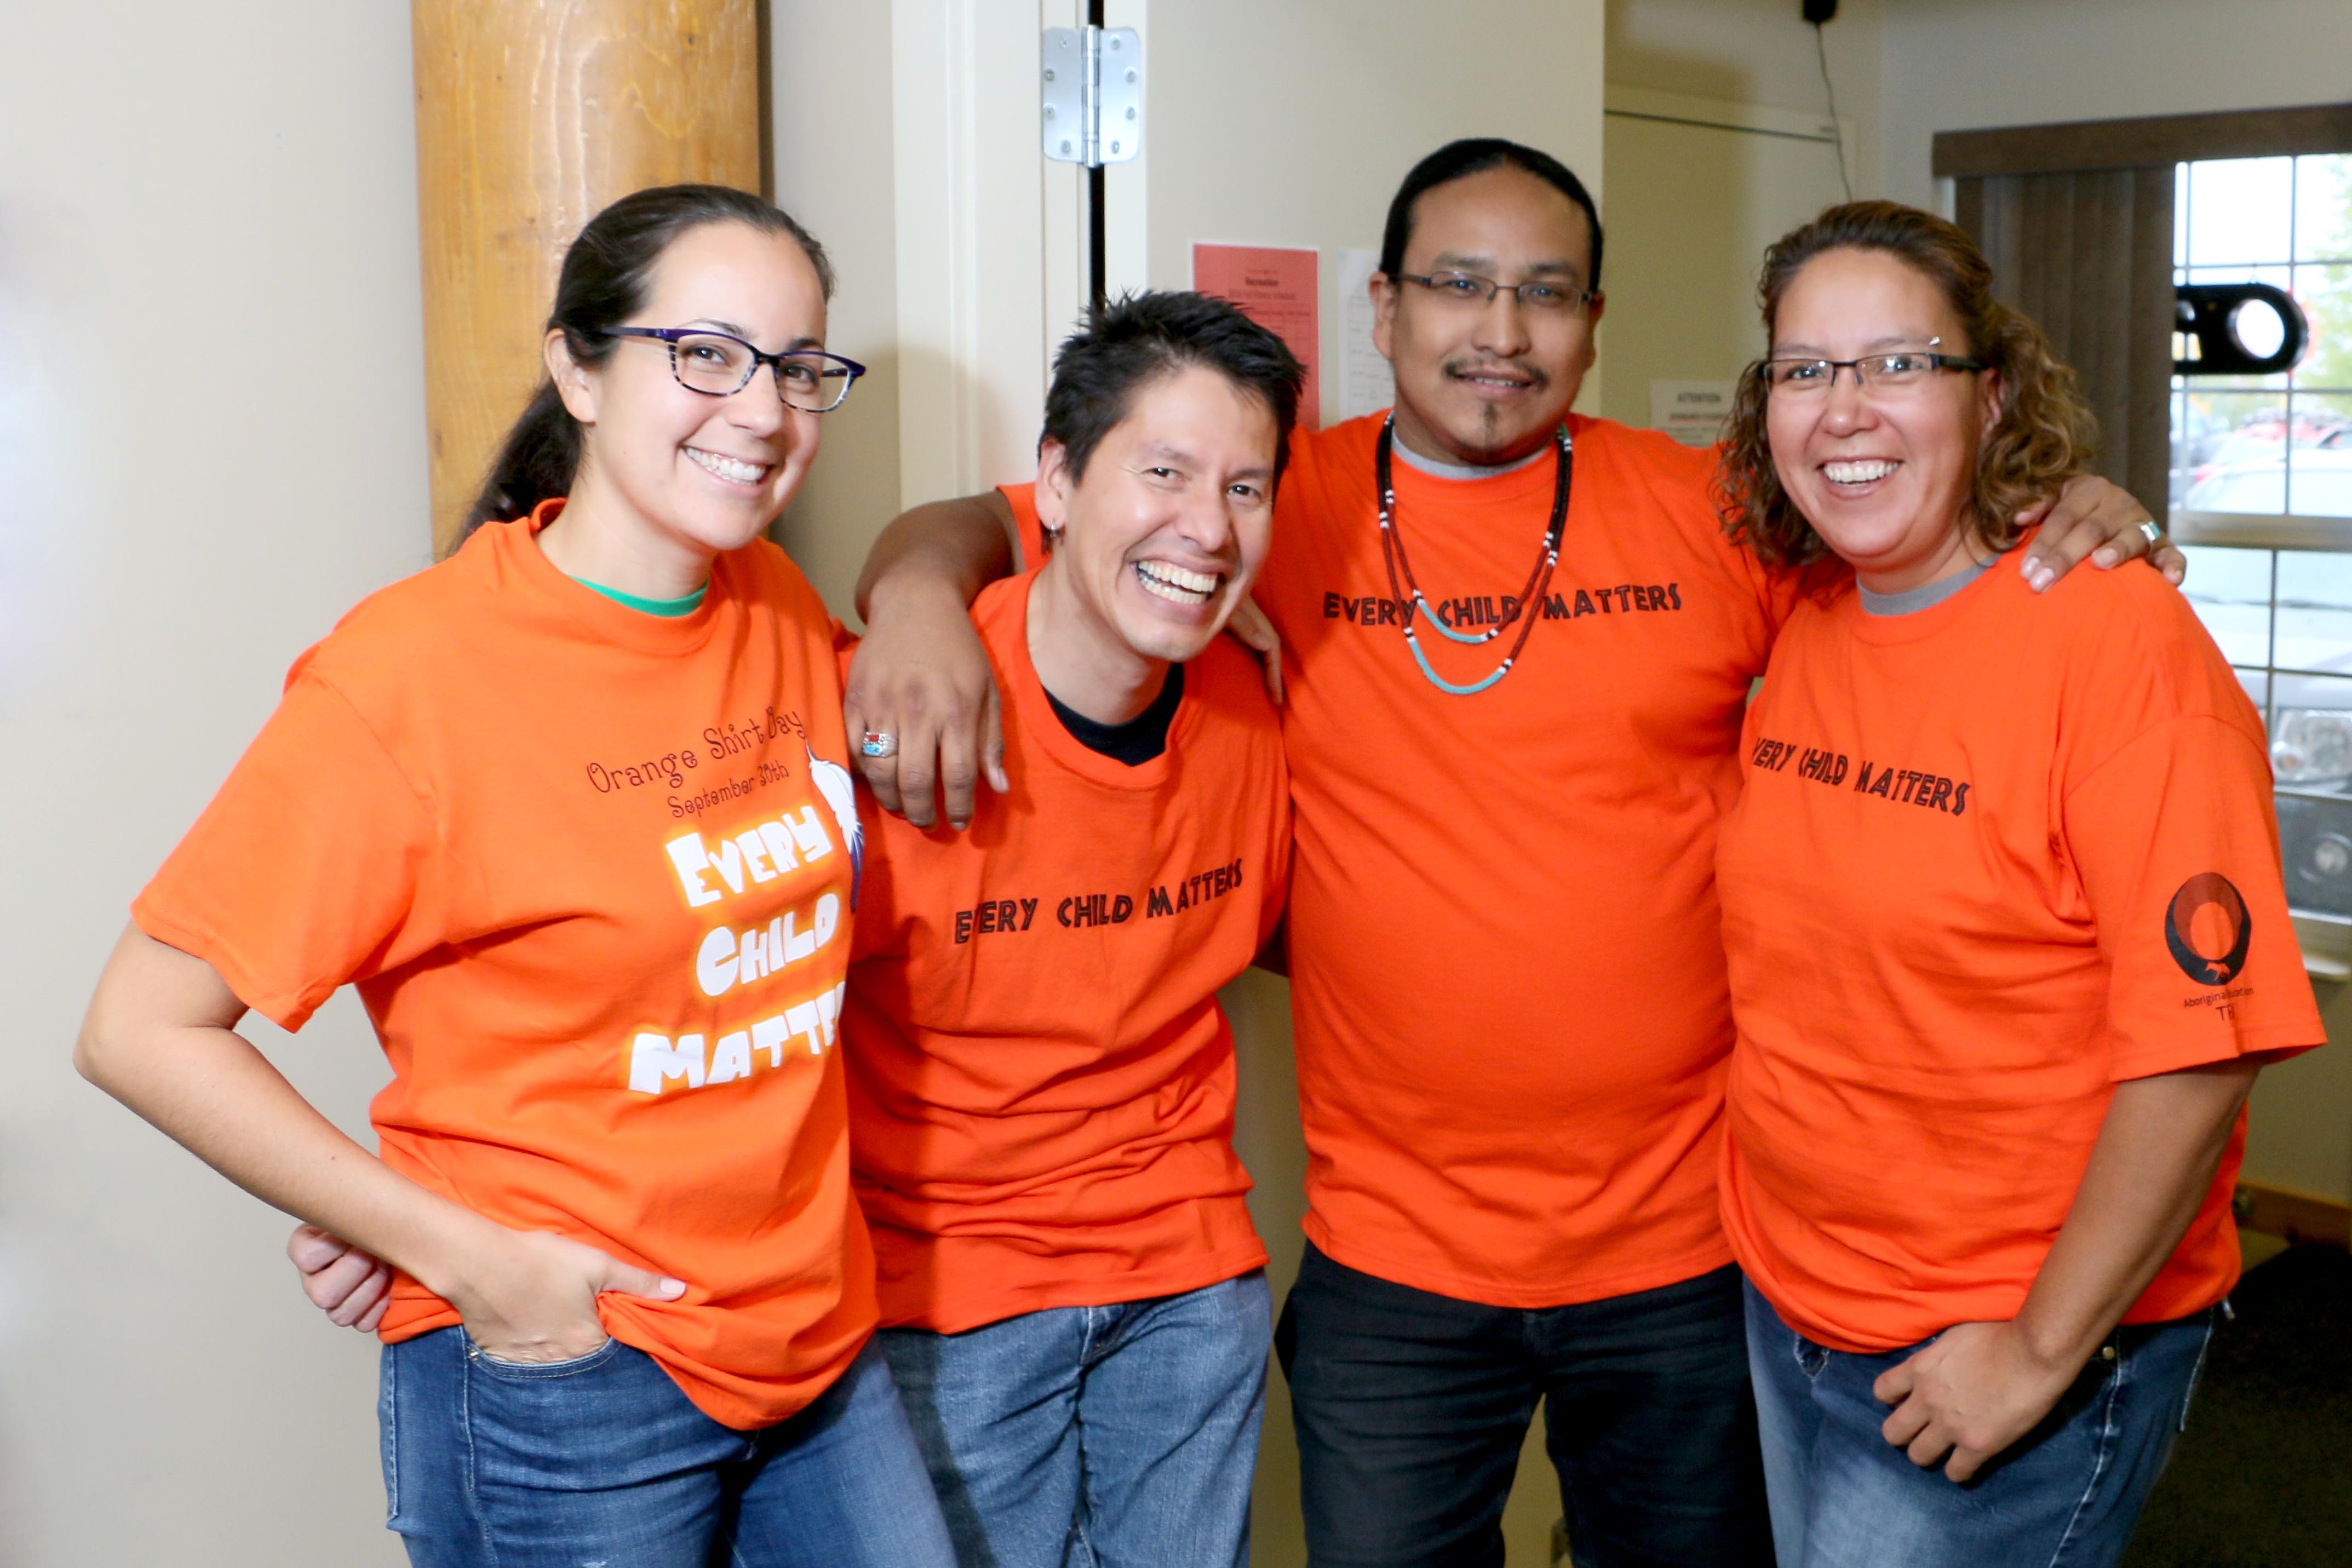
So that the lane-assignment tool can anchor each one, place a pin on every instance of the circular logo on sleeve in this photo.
(2208, 929)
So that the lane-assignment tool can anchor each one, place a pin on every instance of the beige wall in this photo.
(2028, 61)
(181, 513)
(1953, 65)
(211, 422)
(838, 181)
(1758, 52)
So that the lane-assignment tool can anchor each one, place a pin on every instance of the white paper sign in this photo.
(1691, 412)
(1366, 385)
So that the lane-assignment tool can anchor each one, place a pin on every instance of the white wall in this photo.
(212, 419)
(1955, 64)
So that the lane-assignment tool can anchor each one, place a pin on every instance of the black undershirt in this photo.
(1136, 741)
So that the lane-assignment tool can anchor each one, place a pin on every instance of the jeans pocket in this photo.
(528, 1371)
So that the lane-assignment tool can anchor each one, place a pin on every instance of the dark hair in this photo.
(606, 273)
(1475, 156)
(2044, 434)
(1140, 338)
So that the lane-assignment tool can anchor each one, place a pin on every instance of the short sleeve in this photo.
(317, 863)
(1277, 856)
(2175, 839)
(1777, 589)
(878, 928)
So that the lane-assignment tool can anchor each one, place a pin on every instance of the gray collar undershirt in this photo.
(1908, 602)
(1438, 468)
(1913, 599)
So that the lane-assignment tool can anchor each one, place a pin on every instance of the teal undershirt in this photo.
(686, 606)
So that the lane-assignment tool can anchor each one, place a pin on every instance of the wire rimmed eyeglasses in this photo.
(1469, 288)
(719, 364)
(1891, 372)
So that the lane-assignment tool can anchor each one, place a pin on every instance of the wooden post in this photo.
(531, 116)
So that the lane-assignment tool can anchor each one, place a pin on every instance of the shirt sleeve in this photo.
(317, 863)
(875, 930)
(1277, 899)
(2175, 839)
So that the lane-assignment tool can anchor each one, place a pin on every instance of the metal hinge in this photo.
(1092, 79)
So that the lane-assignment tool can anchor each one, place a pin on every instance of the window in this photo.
(2283, 443)
(2283, 619)
(2278, 446)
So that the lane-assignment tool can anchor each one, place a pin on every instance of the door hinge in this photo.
(1092, 79)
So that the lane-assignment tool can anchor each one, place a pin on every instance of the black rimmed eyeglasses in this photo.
(1893, 372)
(719, 364)
(1469, 288)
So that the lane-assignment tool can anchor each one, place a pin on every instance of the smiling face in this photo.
(1488, 381)
(1165, 532)
(668, 470)
(1883, 475)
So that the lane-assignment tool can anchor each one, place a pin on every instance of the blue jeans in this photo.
(2068, 1492)
(493, 1464)
(1123, 1435)
(1410, 1409)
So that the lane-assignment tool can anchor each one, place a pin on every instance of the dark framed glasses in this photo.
(719, 364)
(1469, 288)
(1895, 371)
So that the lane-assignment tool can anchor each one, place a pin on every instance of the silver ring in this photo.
(879, 743)
(2150, 532)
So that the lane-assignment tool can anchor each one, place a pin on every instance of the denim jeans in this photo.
(1410, 1409)
(1124, 1435)
(2067, 1493)
(601, 1459)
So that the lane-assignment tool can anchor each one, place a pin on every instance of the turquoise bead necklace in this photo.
(1408, 592)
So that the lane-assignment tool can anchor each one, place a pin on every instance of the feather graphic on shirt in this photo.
(832, 782)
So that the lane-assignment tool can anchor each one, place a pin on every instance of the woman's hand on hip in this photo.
(351, 1286)
(525, 1296)
(528, 1296)
(1963, 1399)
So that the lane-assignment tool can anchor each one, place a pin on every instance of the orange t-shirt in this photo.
(1994, 857)
(1507, 985)
(1041, 1082)
(591, 871)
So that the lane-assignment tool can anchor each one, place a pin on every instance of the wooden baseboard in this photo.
(2296, 1216)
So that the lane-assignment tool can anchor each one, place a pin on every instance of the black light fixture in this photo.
(2211, 315)
(1819, 11)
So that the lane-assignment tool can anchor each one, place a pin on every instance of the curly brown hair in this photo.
(2045, 433)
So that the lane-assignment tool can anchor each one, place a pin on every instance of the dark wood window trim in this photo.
(2163, 138)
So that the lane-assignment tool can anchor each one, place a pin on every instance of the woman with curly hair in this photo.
(2006, 934)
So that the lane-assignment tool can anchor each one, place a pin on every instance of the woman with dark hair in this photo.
(2008, 941)
(518, 801)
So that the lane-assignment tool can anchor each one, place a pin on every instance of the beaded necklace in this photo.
(1406, 591)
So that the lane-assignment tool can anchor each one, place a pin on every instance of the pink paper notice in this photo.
(1277, 289)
